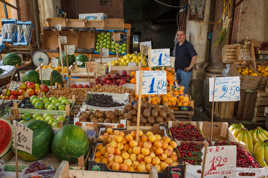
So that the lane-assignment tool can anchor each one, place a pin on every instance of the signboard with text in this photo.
(24, 137)
(159, 57)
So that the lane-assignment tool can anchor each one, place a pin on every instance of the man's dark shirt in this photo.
(183, 55)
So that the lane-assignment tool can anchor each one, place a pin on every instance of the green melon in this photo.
(31, 76)
(81, 60)
(42, 138)
(11, 59)
(69, 143)
(71, 59)
(5, 137)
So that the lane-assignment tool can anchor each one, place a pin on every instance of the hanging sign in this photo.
(24, 137)
(153, 82)
(159, 57)
(220, 161)
(226, 89)
(70, 49)
(63, 39)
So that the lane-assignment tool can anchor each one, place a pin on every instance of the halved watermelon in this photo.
(5, 137)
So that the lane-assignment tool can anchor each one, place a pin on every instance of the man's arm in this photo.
(193, 62)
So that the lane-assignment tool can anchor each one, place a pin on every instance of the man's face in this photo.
(180, 36)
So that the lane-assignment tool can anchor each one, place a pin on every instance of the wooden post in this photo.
(139, 103)
(60, 55)
(81, 162)
(212, 110)
(204, 160)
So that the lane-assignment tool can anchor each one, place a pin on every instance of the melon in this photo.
(11, 59)
(5, 137)
(42, 138)
(81, 60)
(31, 76)
(69, 143)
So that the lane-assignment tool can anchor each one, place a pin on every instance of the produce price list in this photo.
(159, 57)
(221, 161)
(24, 137)
(153, 82)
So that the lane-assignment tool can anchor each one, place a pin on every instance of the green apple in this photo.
(61, 107)
(27, 116)
(46, 115)
(54, 124)
(61, 98)
(48, 118)
(51, 107)
(39, 105)
(66, 101)
(32, 97)
(39, 118)
(45, 100)
(60, 118)
(46, 104)
(36, 115)
(50, 122)
(52, 98)
(35, 100)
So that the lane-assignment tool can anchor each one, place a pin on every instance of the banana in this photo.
(266, 133)
(266, 152)
(239, 136)
(259, 135)
(249, 142)
(251, 132)
(259, 154)
(255, 138)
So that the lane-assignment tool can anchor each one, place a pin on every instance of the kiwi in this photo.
(155, 112)
(147, 113)
(163, 114)
(151, 120)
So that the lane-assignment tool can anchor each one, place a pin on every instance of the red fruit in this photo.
(13, 92)
(30, 92)
(74, 86)
(20, 92)
(12, 97)
(124, 73)
(80, 86)
(86, 86)
(30, 85)
(44, 88)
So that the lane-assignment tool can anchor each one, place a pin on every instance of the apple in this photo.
(12, 97)
(52, 98)
(46, 104)
(51, 107)
(54, 124)
(30, 85)
(20, 92)
(13, 92)
(30, 92)
(61, 107)
(32, 97)
(36, 86)
(49, 117)
(34, 101)
(39, 105)
(50, 122)
(86, 86)
(61, 98)
(37, 92)
(39, 118)
(80, 86)
(26, 116)
(65, 101)
(23, 86)
(45, 100)
(35, 115)
(60, 118)
(74, 86)
(44, 88)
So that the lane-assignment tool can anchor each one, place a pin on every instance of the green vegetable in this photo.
(11, 59)
(31, 76)
(71, 59)
(56, 78)
(81, 60)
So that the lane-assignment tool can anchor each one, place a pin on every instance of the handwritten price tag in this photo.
(46, 73)
(221, 161)
(153, 82)
(24, 137)
(159, 57)
(70, 49)
(104, 52)
(63, 39)
(14, 85)
(226, 89)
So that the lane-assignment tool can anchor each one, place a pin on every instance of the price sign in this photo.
(221, 161)
(104, 52)
(132, 64)
(70, 49)
(146, 43)
(54, 62)
(24, 137)
(46, 73)
(159, 57)
(63, 39)
(14, 85)
(153, 82)
(226, 89)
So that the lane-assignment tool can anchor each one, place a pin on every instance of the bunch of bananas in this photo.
(256, 141)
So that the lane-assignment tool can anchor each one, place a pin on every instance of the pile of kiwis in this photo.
(151, 115)
(100, 116)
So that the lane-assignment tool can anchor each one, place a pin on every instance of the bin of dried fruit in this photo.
(106, 100)
(186, 132)
(150, 114)
(244, 158)
(100, 116)
(120, 151)
(111, 89)
(191, 152)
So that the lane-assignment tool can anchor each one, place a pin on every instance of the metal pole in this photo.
(5, 9)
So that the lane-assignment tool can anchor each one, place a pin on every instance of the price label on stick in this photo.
(14, 85)
(63, 39)
(46, 73)
(220, 161)
(153, 82)
(70, 49)
(226, 89)
(159, 57)
(104, 52)
(24, 137)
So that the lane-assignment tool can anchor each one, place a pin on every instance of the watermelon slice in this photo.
(5, 137)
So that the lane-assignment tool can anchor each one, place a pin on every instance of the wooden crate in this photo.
(98, 24)
(184, 115)
(229, 53)
(224, 110)
(55, 21)
(246, 105)
(261, 105)
(75, 23)
(114, 23)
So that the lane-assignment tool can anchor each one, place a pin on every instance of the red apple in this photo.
(44, 88)
(74, 86)
(23, 86)
(30, 85)
(86, 86)
(12, 97)
(13, 92)
(124, 73)
(30, 92)
(80, 86)
(20, 92)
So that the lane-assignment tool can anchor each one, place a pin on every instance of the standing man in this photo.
(185, 59)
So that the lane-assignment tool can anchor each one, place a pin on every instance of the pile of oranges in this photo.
(121, 152)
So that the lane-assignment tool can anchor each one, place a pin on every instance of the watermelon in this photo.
(81, 60)
(69, 143)
(31, 76)
(71, 59)
(42, 137)
(11, 59)
(5, 137)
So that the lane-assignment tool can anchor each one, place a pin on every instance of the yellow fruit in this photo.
(158, 168)
(136, 150)
(141, 168)
(148, 159)
(164, 145)
(147, 145)
(104, 161)
(118, 159)
(155, 161)
(157, 137)
(173, 144)
(125, 155)
(98, 154)
(129, 137)
(140, 157)
(149, 133)
(109, 130)
(130, 150)
(123, 167)
(145, 151)
(120, 146)
(128, 162)
(115, 166)
(163, 156)
(159, 151)
(119, 138)
(163, 165)
(158, 143)
(135, 164)
(116, 132)
(131, 169)
(148, 167)
(133, 157)
(168, 161)
(110, 157)
(144, 138)
(117, 151)
(110, 149)
(99, 146)
(166, 139)
(152, 138)
(133, 143)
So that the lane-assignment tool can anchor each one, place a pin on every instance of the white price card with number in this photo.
(226, 89)
(220, 161)
(54, 62)
(159, 57)
(14, 85)
(146, 43)
(153, 82)
(70, 49)
(63, 39)
(24, 137)
(46, 73)
(104, 52)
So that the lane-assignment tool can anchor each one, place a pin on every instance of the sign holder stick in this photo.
(212, 110)
(67, 62)
(204, 160)
(139, 103)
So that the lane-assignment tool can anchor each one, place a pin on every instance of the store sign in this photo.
(153, 82)
(63, 39)
(226, 89)
(70, 49)
(220, 161)
(159, 57)
(24, 137)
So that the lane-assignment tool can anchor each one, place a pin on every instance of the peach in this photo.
(99, 146)
(166, 139)
(115, 166)
(149, 133)
(123, 167)
(168, 161)
(158, 168)
(140, 157)
(136, 150)
(164, 145)
(148, 167)
(133, 157)
(159, 151)
(135, 164)
(117, 151)
(152, 154)
(104, 161)
(163, 156)
(133, 143)
(109, 130)
(163, 165)
(125, 155)
(126, 147)
(98, 160)
(130, 169)
(110, 157)
(128, 162)
(155, 161)
(141, 168)
(152, 138)
(110, 149)
(98, 154)
(148, 159)
(157, 137)
(118, 138)
(129, 137)
(145, 151)
(120, 146)
(118, 159)
(116, 132)
(130, 150)
(173, 144)
(144, 138)
(158, 143)
(147, 145)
